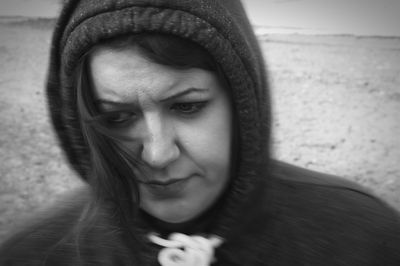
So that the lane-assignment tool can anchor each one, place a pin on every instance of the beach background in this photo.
(336, 106)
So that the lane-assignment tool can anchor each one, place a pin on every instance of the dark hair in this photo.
(112, 166)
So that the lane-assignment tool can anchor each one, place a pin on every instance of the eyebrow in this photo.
(98, 102)
(168, 98)
(185, 92)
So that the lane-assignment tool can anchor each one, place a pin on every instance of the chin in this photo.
(174, 217)
(172, 214)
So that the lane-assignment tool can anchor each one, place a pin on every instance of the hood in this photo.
(221, 27)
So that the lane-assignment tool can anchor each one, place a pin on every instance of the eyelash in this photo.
(195, 107)
(117, 118)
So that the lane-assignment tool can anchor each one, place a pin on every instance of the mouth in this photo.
(169, 188)
(164, 182)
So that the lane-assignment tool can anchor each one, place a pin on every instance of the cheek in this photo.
(208, 140)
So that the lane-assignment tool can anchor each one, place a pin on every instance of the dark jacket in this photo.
(272, 213)
(304, 218)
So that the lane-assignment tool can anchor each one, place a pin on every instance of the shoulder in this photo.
(57, 236)
(331, 215)
(42, 233)
(336, 194)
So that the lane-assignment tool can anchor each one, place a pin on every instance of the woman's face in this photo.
(180, 126)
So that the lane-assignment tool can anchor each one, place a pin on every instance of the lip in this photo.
(165, 182)
(170, 188)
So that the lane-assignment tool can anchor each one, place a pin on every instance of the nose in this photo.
(160, 146)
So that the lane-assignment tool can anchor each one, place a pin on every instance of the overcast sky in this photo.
(366, 17)
(370, 17)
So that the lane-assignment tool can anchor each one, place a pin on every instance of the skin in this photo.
(180, 126)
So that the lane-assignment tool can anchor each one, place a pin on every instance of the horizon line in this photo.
(317, 31)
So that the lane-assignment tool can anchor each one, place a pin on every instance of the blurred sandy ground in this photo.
(336, 106)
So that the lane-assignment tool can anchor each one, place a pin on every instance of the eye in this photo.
(188, 107)
(117, 118)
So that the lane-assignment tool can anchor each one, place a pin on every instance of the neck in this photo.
(197, 225)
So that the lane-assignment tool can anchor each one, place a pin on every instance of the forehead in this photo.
(126, 74)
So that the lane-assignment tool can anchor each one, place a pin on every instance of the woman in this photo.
(162, 108)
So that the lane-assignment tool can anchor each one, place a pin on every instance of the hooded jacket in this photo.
(273, 213)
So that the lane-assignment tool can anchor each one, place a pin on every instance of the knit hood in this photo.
(221, 27)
